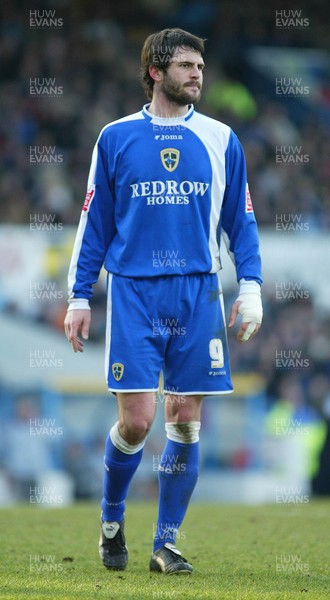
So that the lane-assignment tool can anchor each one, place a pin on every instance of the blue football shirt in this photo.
(161, 194)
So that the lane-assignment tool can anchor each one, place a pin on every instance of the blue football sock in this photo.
(119, 469)
(177, 475)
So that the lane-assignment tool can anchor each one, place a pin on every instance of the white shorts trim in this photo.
(137, 391)
(132, 391)
(198, 393)
(108, 327)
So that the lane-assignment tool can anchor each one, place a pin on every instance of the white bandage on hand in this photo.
(250, 308)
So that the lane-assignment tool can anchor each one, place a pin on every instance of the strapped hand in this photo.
(249, 306)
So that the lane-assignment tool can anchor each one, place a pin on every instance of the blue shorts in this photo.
(174, 324)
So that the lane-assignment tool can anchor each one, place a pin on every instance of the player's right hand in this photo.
(77, 322)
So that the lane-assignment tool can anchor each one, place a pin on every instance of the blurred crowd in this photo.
(90, 64)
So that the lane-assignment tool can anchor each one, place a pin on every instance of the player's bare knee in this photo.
(183, 408)
(128, 445)
(134, 430)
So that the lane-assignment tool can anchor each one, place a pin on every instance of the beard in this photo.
(179, 94)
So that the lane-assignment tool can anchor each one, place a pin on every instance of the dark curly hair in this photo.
(159, 48)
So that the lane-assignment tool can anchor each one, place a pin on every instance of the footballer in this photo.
(166, 184)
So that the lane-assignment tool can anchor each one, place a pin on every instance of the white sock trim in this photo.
(184, 433)
(121, 444)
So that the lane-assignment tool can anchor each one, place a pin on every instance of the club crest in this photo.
(170, 158)
(117, 371)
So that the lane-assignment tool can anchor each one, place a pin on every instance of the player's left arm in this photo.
(240, 233)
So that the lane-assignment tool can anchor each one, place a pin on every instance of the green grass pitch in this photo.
(265, 552)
